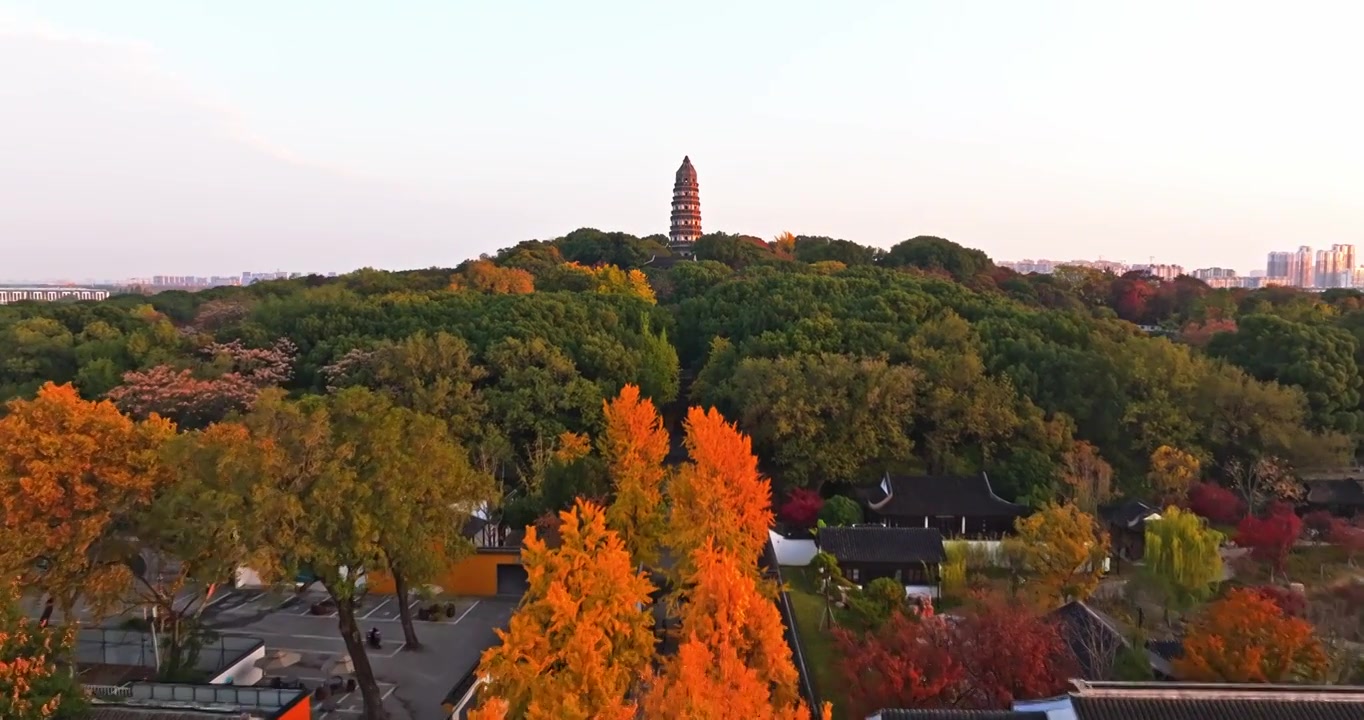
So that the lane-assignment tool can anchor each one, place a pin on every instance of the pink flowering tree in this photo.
(228, 379)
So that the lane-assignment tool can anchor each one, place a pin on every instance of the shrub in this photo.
(1217, 504)
(801, 509)
(840, 511)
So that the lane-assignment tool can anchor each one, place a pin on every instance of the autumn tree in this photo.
(723, 608)
(718, 496)
(582, 640)
(33, 684)
(1347, 536)
(909, 662)
(1087, 476)
(72, 474)
(801, 508)
(423, 488)
(1271, 537)
(1245, 637)
(1183, 557)
(227, 378)
(485, 277)
(1263, 481)
(1172, 473)
(634, 444)
(1216, 503)
(1062, 549)
(1010, 653)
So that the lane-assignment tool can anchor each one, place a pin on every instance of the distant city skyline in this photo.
(192, 137)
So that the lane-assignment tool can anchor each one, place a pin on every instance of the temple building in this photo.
(686, 216)
(957, 507)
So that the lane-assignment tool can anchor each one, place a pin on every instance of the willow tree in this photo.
(1182, 557)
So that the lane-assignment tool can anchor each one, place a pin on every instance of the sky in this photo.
(147, 137)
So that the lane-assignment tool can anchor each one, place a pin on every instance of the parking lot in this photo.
(414, 682)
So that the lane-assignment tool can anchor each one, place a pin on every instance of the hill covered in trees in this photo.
(841, 361)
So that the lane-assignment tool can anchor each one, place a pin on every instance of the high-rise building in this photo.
(1335, 267)
(1277, 267)
(686, 216)
(1302, 268)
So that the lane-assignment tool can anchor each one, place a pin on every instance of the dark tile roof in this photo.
(961, 715)
(473, 526)
(1168, 649)
(968, 495)
(1129, 514)
(1335, 492)
(1212, 708)
(876, 544)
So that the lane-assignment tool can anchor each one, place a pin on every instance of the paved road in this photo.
(414, 682)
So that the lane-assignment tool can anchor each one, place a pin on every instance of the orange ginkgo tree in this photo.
(582, 640)
(72, 474)
(32, 684)
(732, 647)
(1246, 637)
(633, 446)
(718, 496)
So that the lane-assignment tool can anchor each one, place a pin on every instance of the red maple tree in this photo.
(1217, 504)
(1318, 523)
(1011, 653)
(801, 508)
(1347, 536)
(908, 662)
(1291, 602)
(1270, 537)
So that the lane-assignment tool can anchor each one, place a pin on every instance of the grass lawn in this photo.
(1315, 566)
(808, 606)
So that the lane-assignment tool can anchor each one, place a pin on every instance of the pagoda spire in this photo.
(686, 215)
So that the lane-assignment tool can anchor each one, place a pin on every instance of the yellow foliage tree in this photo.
(485, 277)
(634, 446)
(1172, 472)
(582, 639)
(1062, 550)
(718, 496)
(611, 280)
(72, 473)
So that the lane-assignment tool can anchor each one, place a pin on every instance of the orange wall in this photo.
(301, 711)
(475, 575)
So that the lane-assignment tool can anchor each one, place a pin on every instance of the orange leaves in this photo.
(724, 610)
(719, 495)
(69, 470)
(32, 687)
(1245, 637)
(634, 446)
(1063, 548)
(582, 639)
(483, 276)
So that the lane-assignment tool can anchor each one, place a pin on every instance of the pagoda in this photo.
(686, 217)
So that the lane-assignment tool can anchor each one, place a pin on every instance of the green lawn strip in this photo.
(818, 644)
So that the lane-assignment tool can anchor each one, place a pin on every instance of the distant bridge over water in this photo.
(10, 294)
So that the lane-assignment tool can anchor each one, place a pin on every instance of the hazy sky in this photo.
(177, 136)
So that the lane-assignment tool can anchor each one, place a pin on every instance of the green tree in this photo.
(840, 511)
(787, 405)
(1320, 359)
(934, 253)
(958, 405)
(326, 517)
(422, 488)
(1183, 557)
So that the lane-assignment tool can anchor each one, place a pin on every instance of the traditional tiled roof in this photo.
(1335, 492)
(1168, 649)
(960, 715)
(1190, 701)
(968, 495)
(1129, 514)
(876, 544)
